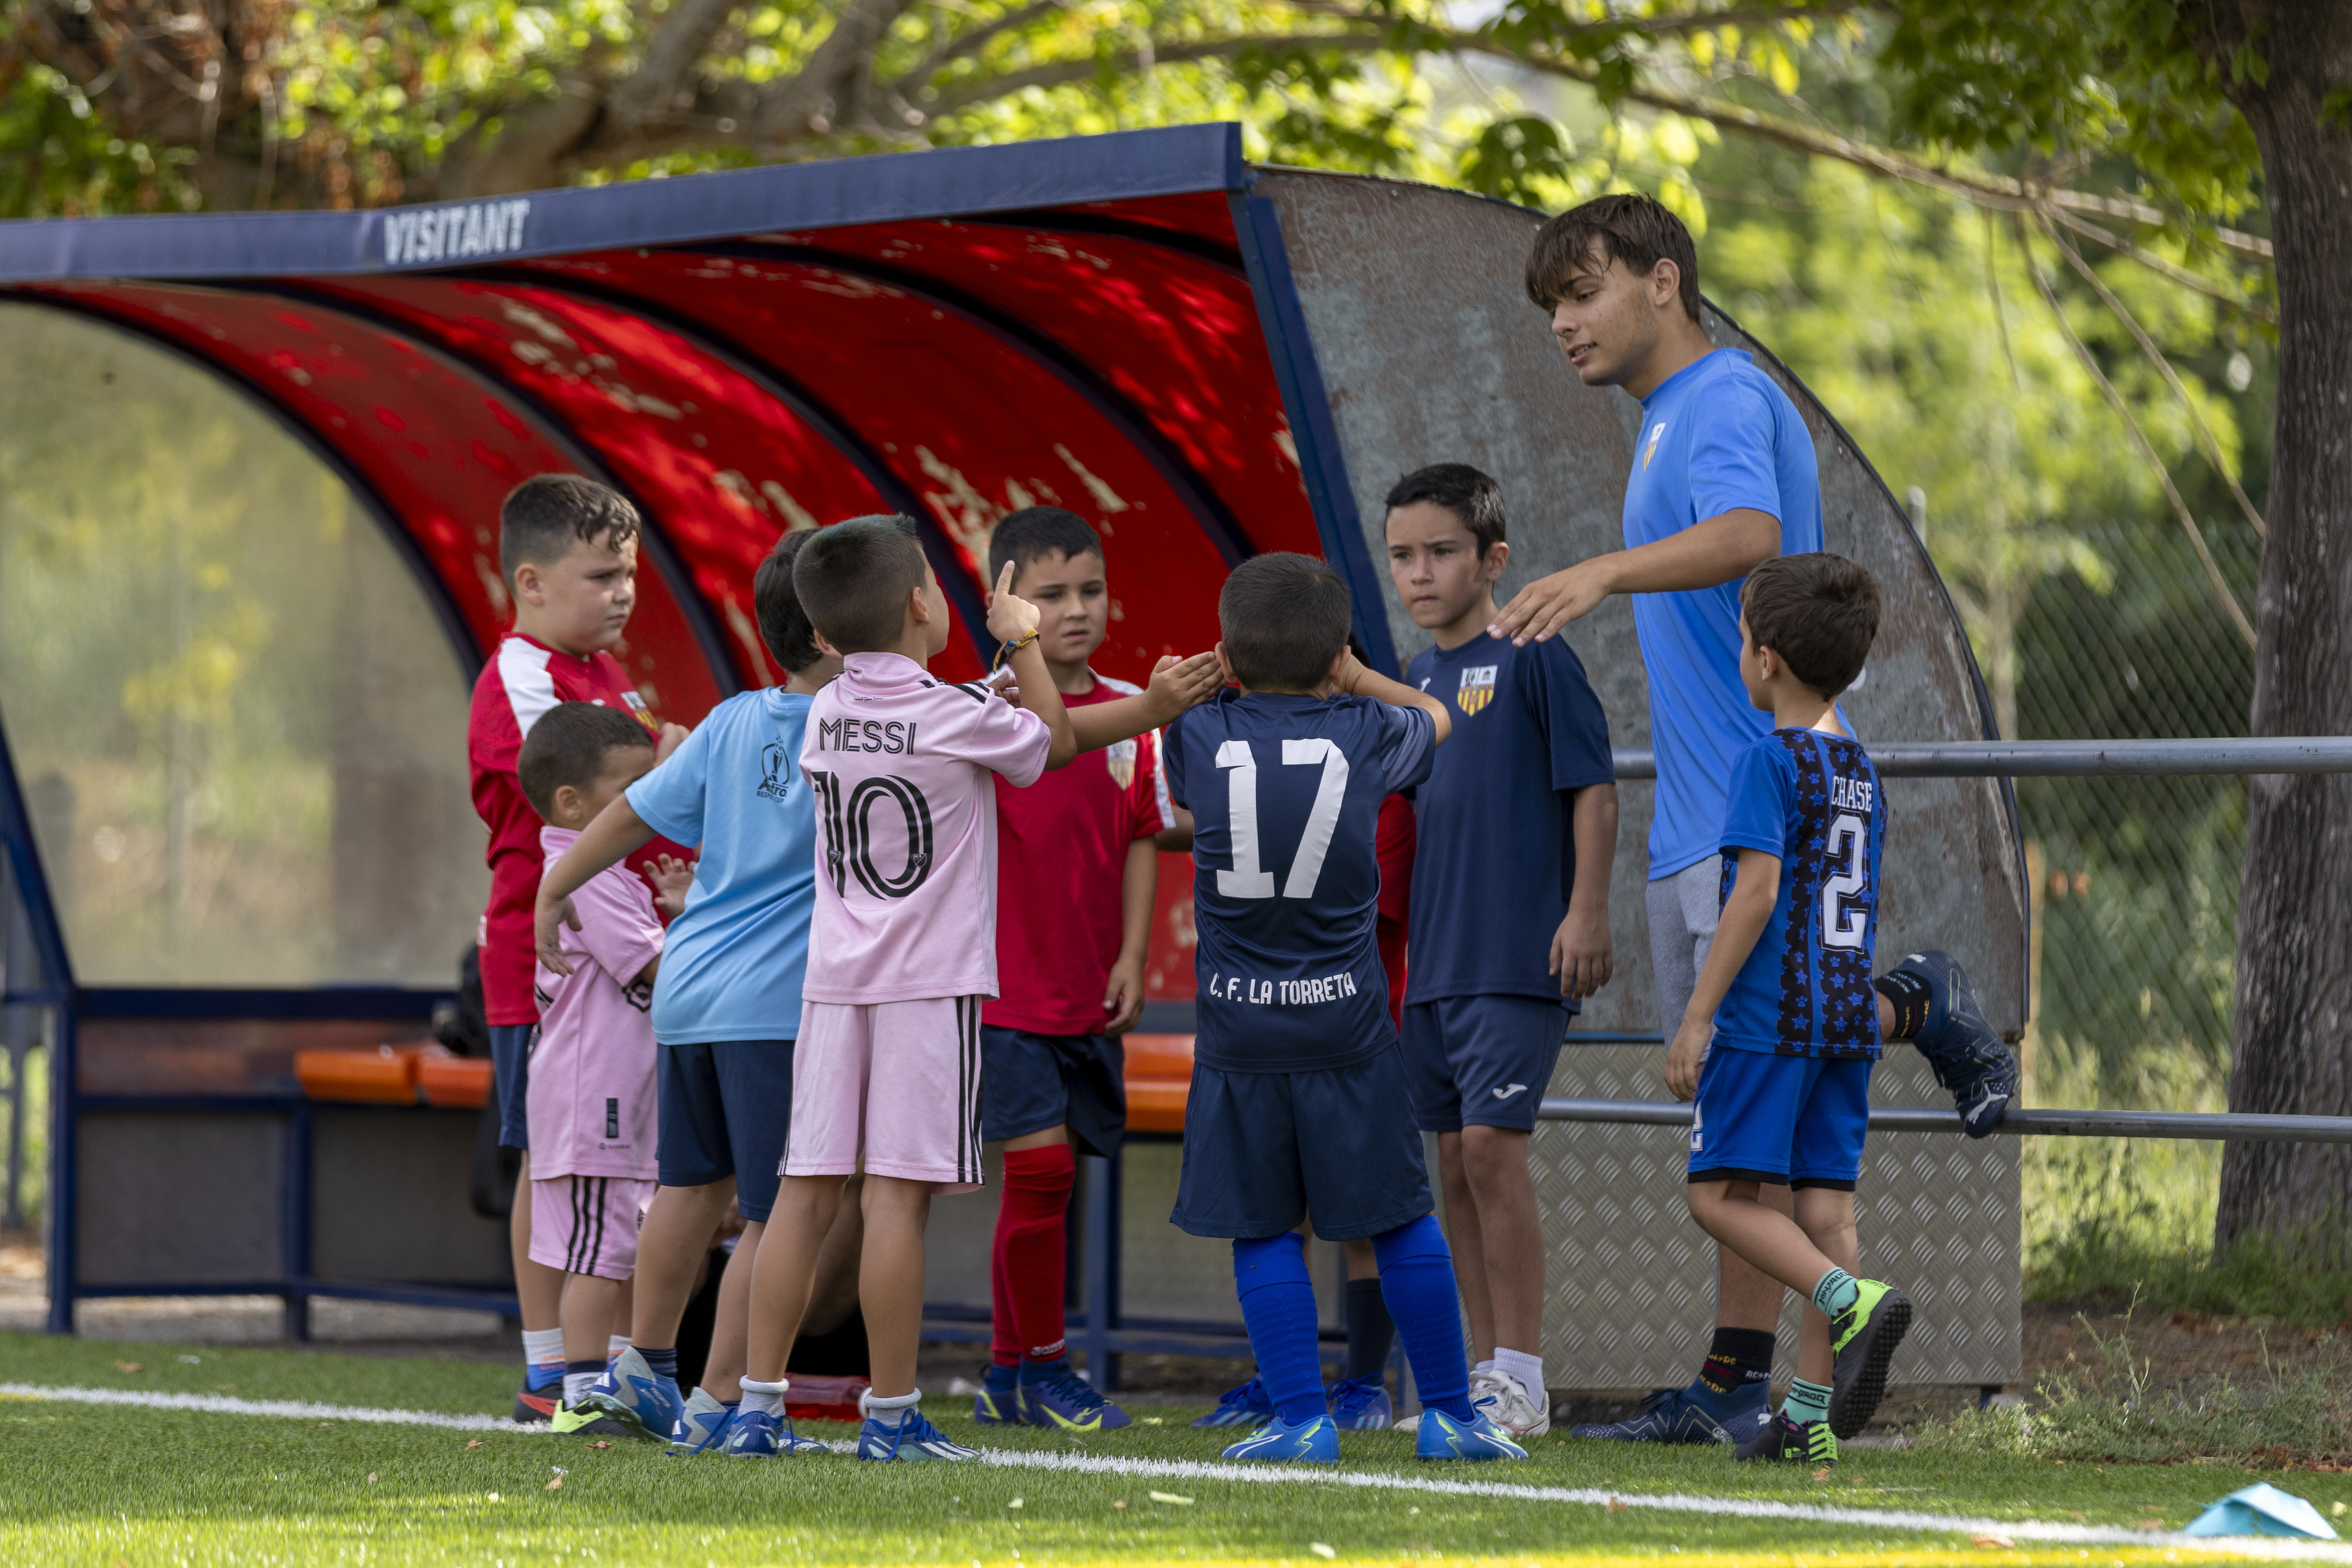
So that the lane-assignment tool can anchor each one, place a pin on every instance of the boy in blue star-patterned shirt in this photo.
(1777, 1044)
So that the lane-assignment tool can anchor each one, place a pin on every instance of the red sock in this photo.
(1032, 1253)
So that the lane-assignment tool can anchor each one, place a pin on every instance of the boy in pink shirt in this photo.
(902, 950)
(590, 1104)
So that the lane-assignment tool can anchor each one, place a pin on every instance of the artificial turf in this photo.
(112, 1485)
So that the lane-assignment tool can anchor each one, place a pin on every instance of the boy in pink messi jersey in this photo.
(902, 949)
(591, 1099)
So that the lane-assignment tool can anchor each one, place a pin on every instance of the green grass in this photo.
(109, 1485)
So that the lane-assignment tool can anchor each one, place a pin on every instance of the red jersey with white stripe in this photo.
(525, 680)
(1061, 848)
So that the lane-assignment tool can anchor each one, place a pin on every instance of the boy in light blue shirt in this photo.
(727, 1004)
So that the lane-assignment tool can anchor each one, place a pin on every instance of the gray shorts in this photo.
(1683, 909)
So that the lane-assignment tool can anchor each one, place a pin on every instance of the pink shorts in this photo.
(587, 1225)
(888, 1088)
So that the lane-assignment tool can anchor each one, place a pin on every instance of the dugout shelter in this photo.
(249, 474)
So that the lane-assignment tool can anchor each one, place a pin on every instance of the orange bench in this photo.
(1159, 1076)
(455, 1083)
(384, 1076)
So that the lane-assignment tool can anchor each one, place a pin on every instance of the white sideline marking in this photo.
(1272, 1475)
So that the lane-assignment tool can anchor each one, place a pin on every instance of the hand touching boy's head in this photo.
(578, 759)
(1285, 620)
(1808, 618)
(865, 586)
(1445, 548)
(1057, 565)
(568, 548)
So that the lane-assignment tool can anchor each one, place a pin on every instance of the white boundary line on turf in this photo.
(1271, 1475)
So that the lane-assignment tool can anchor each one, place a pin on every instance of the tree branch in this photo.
(2162, 268)
(963, 45)
(671, 61)
(1061, 73)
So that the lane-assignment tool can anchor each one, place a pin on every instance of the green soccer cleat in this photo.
(1864, 1338)
(1799, 1442)
(586, 1421)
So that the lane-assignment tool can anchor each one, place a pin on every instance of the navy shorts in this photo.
(511, 1081)
(1029, 1082)
(1763, 1117)
(725, 1108)
(1265, 1149)
(1481, 1061)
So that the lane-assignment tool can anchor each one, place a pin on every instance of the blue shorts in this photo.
(1481, 1061)
(1798, 1120)
(1029, 1082)
(511, 1081)
(1265, 1149)
(725, 1108)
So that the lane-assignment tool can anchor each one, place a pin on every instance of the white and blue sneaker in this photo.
(913, 1438)
(703, 1425)
(1440, 1437)
(636, 1398)
(1314, 1441)
(756, 1434)
(1361, 1404)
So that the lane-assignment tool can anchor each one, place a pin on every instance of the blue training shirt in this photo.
(1716, 435)
(1285, 795)
(1494, 825)
(731, 965)
(1813, 800)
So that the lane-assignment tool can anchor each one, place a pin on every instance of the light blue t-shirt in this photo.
(1716, 435)
(731, 965)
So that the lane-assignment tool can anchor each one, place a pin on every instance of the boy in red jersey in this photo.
(568, 550)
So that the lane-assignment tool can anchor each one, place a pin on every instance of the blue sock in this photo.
(538, 1379)
(1278, 1306)
(662, 1364)
(1000, 1379)
(1417, 1282)
(1039, 1370)
(1835, 1291)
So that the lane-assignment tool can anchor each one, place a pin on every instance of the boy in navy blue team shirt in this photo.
(1777, 1043)
(1299, 1103)
(1509, 924)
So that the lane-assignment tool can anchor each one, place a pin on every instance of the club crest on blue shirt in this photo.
(1119, 757)
(1650, 450)
(1477, 689)
(775, 773)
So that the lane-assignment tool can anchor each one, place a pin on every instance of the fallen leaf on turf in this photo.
(473, 1442)
(1616, 1503)
(1823, 1474)
(1153, 1421)
(1996, 1541)
(1167, 1497)
(370, 1478)
(1320, 1550)
(130, 1366)
(1118, 1502)
(556, 1485)
(600, 1443)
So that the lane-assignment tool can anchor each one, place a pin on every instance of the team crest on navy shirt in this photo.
(1119, 757)
(1477, 689)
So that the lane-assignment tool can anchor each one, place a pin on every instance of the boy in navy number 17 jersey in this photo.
(1299, 1103)
(1778, 1042)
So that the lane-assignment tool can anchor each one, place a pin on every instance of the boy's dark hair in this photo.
(853, 580)
(546, 515)
(1036, 531)
(1819, 612)
(783, 625)
(1284, 618)
(1461, 490)
(1635, 230)
(567, 746)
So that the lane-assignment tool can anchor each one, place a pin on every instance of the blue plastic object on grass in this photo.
(2262, 1509)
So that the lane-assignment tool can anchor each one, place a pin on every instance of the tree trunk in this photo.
(2294, 914)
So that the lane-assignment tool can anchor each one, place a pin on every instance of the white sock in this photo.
(576, 1385)
(897, 1406)
(1527, 1369)
(542, 1349)
(765, 1397)
(614, 1345)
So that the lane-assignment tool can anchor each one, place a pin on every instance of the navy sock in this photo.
(662, 1364)
(1417, 1278)
(1370, 1330)
(1739, 1358)
(1039, 1370)
(1000, 1379)
(1278, 1306)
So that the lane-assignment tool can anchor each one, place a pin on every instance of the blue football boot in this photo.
(1361, 1404)
(1440, 1437)
(1314, 1441)
(756, 1434)
(913, 1438)
(703, 1426)
(993, 1406)
(1693, 1414)
(635, 1396)
(1063, 1400)
(1245, 1406)
(1967, 1057)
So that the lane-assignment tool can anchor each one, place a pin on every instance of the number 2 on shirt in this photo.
(1246, 879)
(1842, 927)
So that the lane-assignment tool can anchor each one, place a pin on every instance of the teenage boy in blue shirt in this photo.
(1777, 1043)
(728, 1003)
(1509, 925)
(1724, 477)
(1299, 1102)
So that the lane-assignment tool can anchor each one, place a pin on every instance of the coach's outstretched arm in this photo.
(1350, 675)
(1721, 549)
